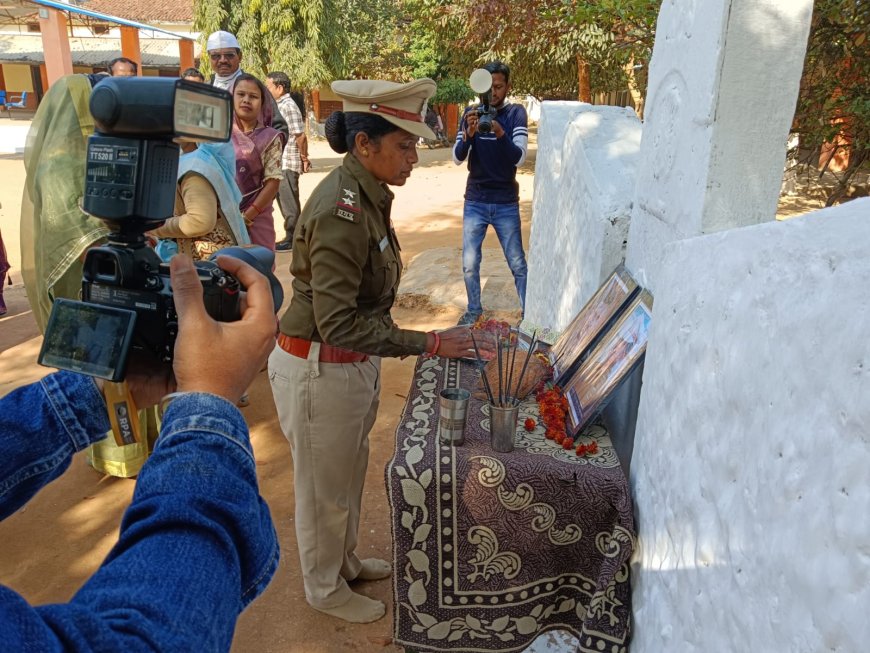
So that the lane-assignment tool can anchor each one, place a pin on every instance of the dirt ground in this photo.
(53, 544)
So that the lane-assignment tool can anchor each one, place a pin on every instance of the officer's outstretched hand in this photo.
(221, 358)
(458, 342)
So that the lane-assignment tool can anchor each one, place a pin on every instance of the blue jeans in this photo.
(505, 219)
(196, 545)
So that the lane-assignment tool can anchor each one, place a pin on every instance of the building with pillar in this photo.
(41, 40)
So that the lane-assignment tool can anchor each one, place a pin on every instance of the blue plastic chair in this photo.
(13, 103)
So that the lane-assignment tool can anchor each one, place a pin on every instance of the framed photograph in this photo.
(605, 305)
(620, 349)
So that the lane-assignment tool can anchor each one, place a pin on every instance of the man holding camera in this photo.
(197, 543)
(494, 137)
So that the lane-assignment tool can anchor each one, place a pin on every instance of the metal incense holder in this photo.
(504, 402)
(503, 427)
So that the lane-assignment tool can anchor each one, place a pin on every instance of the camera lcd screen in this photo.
(121, 174)
(201, 115)
(88, 338)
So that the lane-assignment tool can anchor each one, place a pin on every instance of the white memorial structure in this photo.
(751, 449)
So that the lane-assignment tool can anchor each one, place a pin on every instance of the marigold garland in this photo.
(553, 407)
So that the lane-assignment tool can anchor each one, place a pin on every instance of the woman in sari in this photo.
(207, 216)
(55, 232)
(258, 149)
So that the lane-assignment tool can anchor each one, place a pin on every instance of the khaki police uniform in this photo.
(325, 371)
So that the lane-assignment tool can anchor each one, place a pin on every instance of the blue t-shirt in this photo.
(492, 162)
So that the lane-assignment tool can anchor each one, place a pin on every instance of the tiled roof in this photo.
(145, 11)
(26, 48)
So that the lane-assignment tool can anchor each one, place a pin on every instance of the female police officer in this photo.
(325, 370)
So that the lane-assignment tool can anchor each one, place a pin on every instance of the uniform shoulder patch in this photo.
(347, 202)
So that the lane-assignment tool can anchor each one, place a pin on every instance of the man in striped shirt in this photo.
(294, 161)
(492, 192)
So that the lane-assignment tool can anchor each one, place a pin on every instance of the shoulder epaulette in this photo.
(347, 202)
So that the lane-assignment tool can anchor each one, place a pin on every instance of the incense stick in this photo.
(498, 357)
(526, 362)
(513, 358)
(482, 368)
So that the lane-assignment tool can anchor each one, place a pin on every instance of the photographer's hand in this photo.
(221, 358)
(497, 129)
(471, 120)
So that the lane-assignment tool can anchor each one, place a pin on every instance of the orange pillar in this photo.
(315, 100)
(43, 76)
(130, 45)
(185, 55)
(55, 44)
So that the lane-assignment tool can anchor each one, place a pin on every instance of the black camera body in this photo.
(486, 113)
(130, 184)
(132, 277)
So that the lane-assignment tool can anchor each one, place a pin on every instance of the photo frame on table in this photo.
(620, 349)
(600, 311)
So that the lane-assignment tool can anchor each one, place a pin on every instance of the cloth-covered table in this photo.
(492, 549)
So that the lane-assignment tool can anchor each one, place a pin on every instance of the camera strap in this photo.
(122, 413)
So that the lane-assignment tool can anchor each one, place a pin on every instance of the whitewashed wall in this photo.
(750, 470)
(584, 184)
(723, 84)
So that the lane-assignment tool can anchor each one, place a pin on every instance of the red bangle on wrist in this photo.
(437, 345)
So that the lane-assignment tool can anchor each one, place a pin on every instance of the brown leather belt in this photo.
(300, 347)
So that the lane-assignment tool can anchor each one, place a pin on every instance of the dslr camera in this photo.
(485, 114)
(481, 83)
(130, 184)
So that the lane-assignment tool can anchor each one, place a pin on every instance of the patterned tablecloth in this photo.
(491, 549)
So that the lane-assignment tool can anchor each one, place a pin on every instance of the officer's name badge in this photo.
(346, 206)
(383, 244)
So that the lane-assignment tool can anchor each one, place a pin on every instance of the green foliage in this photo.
(300, 37)
(542, 40)
(452, 90)
(834, 102)
(373, 43)
(316, 41)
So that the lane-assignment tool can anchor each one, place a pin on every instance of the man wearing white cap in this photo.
(225, 54)
(226, 58)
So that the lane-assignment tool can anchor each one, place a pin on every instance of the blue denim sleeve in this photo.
(196, 546)
(43, 425)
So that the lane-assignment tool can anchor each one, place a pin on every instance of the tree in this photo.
(833, 111)
(375, 44)
(299, 36)
(550, 44)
